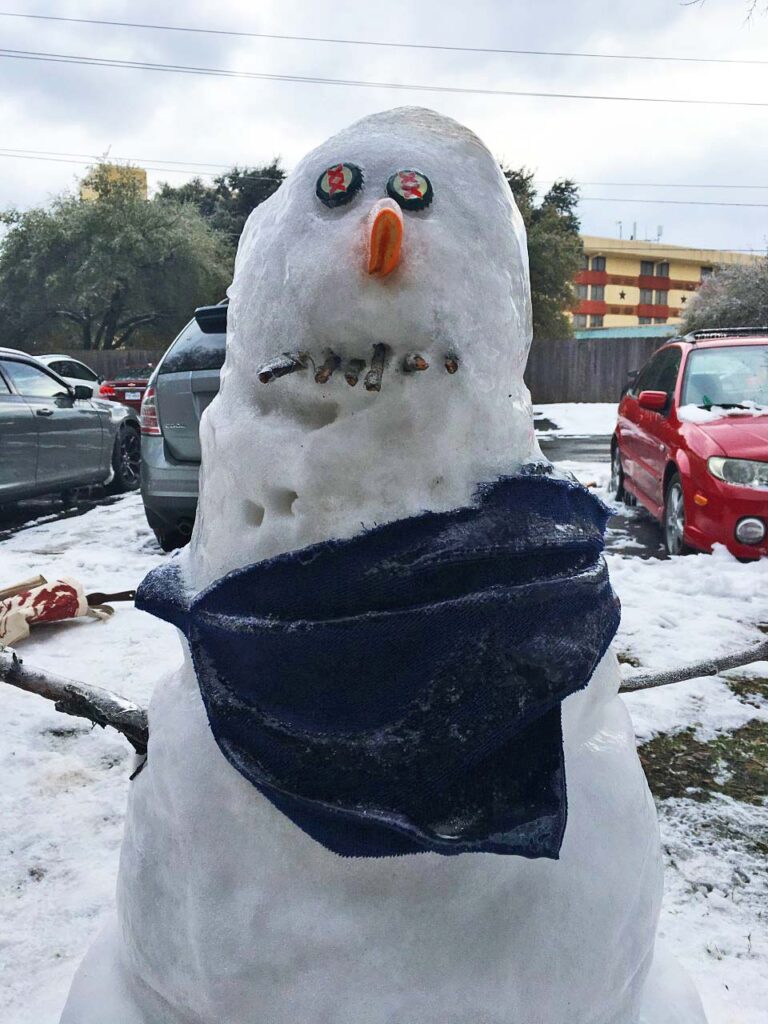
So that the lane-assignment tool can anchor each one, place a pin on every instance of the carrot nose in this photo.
(385, 237)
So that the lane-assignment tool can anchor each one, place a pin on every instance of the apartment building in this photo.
(626, 282)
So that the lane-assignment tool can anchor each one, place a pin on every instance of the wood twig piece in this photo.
(374, 375)
(102, 707)
(288, 362)
(353, 370)
(330, 365)
(413, 362)
(713, 667)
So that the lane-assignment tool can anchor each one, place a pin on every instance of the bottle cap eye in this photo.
(338, 184)
(411, 189)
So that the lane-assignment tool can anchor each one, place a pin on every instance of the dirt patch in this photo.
(734, 764)
(749, 689)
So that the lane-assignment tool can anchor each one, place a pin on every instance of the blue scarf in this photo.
(400, 691)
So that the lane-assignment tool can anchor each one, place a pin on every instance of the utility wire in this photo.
(188, 167)
(380, 42)
(63, 58)
(22, 155)
(664, 202)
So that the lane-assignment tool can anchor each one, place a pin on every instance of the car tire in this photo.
(126, 460)
(673, 523)
(616, 486)
(169, 536)
(170, 539)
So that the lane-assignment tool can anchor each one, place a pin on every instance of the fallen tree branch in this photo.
(102, 707)
(713, 667)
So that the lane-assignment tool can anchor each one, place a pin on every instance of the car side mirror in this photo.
(655, 400)
(82, 391)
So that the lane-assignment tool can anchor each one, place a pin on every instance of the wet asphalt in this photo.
(633, 531)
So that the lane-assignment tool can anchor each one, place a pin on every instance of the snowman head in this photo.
(379, 325)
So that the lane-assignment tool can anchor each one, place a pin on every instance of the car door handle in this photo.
(44, 412)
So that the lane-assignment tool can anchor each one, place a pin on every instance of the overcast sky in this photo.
(157, 117)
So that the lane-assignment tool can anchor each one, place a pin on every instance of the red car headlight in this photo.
(742, 472)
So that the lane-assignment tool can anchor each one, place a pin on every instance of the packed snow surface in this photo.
(576, 419)
(712, 413)
(65, 786)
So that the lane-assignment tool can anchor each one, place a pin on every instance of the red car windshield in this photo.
(734, 375)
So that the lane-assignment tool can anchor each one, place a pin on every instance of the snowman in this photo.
(392, 781)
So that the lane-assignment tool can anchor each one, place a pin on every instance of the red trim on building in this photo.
(658, 284)
(591, 306)
(591, 277)
(653, 311)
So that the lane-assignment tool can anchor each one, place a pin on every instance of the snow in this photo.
(576, 419)
(62, 802)
(220, 897)
(709, 414)
(63, 799)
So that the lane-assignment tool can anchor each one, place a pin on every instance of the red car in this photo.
(691, 442)
(127, 387)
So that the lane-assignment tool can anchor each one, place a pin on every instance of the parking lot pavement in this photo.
(631, 531)
(35, 511)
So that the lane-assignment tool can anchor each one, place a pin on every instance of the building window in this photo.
(598, 293)
(582, 291)
(646, 268)
(580, 320)
(596, 320)
(662, 270)
(660, 320)
(706, 272)
(644, 319)
(662, 298)
(598, 262)
(646, 296)
(585, 262)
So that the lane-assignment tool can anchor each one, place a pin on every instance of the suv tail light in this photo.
(150, 421)
(107, 391)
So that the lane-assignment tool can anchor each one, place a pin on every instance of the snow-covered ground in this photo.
(578, 419)
(64, 785)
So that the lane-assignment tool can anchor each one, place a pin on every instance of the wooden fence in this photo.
(558, 371)
(584, 371)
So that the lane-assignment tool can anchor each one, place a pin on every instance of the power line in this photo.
(63, 58)
(381, 42)
(664, 202)
(68, 158)
(187, 167)
(645, 184)
(89, 159)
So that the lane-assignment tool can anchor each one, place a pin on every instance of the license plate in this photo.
(132, 396)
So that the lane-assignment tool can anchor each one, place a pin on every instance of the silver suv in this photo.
(182, 385)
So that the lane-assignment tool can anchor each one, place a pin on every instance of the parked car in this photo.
(182, 385)
(55, 438)
(127, 387)
(73, 371)
(691, 442)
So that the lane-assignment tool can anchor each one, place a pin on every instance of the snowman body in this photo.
(229, 912)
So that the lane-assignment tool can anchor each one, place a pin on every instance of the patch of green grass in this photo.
(628, 659)
(749, 689)
(734, 763)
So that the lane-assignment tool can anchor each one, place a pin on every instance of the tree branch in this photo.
(648, 680)
(102, 707)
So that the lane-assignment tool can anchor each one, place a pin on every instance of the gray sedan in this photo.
(55, 438)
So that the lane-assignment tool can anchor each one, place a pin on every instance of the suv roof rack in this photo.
(723, 332)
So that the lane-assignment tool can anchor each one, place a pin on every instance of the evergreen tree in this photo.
(555, 251)
(102, 271)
